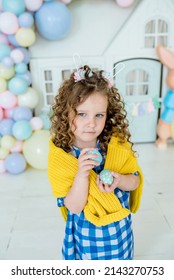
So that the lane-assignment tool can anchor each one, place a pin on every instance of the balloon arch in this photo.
(23, 136)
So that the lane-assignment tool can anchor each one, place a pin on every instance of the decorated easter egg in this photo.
(96, 152)
(106, 176)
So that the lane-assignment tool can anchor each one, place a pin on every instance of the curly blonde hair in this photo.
(73, 93)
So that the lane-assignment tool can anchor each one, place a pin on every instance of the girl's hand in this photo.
(113, 186)
(86, 162)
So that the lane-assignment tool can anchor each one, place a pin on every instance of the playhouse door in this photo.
(139, 84)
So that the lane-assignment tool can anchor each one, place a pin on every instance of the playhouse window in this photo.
(48, 75)
(66, 74)
(156, 32)
(137, 82)
(48, 87)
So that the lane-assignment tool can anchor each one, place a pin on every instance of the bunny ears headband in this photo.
(80, 73)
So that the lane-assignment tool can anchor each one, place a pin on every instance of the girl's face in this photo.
(90, 121)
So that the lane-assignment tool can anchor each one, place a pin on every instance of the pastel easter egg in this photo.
(106, 176)
(96, 152)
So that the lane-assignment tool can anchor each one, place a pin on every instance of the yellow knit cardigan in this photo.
(101, 208)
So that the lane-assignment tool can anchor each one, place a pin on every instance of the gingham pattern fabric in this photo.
(85, 241)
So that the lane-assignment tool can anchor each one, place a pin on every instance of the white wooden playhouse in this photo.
(104, 35)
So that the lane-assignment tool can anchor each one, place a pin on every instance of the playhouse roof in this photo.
(94, 26)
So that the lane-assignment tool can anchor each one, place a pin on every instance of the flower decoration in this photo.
(79, 75)
(108, 77)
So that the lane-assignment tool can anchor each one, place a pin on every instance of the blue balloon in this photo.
(22, 113)
(46, 121)
(15, 163)
(17, 85)
(53, 20)
(16, 7)
(26, 76)
(8, 61)
(26, 20)
(4, 50)
(22, 130)
(12, 40)
(6, 126)
(21, 68)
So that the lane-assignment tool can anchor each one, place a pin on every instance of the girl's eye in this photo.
(81, 114)
(99, 115)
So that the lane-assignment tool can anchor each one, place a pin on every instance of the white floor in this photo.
(32, 228)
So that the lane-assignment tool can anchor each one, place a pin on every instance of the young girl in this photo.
(88, 115)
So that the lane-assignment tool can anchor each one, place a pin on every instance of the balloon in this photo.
(22, 113)
(7, 142)
(12, 40)
(29, 99)
(8, 23)
(17, 85)
(1, 114)
(17, 55)
(17, 148)
(36, 123)
(66, 1)
(46, 121)
(22, 130)
(3, 153)
(35, 149)
(53, 20)
(8, 61)
(2, 167)
(25, 37)
(7, 100)
(26, 20)
(8, 113)
(20, 68)
(3, 38)
(6, 126)
(16, 7)
(26, 55)
(15, 163)
(33, 5)
(26, 76)
(4, 50)
(124, 3)
(6, 72)
(3, 85)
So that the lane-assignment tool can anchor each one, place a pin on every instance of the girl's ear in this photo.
(165, 56)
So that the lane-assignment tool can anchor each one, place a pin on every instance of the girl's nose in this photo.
(92, 122)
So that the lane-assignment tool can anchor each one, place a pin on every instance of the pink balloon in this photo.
(7, 100)
(8, 23)
(36, 123)
(33, 5)
(124, 3)
(17, 148)
(17, 55)
(1, 114)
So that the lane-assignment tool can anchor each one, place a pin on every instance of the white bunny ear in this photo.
(166, 56)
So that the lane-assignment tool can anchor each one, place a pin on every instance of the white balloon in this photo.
(29, 99)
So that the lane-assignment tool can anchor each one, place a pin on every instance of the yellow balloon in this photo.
(35, 149)
(7, 142)
(6, 72)
(25, 37)
(3, 85)
(29, 99)
(3, 153)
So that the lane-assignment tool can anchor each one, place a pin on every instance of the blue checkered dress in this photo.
(85, 241)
